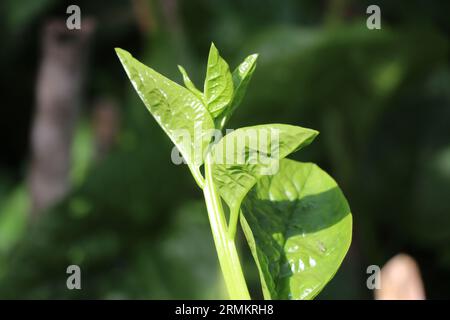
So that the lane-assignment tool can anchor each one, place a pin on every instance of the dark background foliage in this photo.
(135, 222)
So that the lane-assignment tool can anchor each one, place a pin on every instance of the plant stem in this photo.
(197, 176)
(232, 224)
(225, 246)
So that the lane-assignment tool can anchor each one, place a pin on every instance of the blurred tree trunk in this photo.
(58, 95)
(106, 121)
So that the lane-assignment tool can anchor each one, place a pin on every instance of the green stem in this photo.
(232, 224)
(197, 176)
(225, 246)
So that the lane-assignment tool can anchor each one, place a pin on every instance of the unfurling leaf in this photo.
(241, 78)
(218, 89)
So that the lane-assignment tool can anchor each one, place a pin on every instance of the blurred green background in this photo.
(136, 224)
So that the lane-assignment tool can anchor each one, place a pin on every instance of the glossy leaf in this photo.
(179, 112)
(248, 153)
(298, 226)
(189, 84)
(218, 88)
(241, 78)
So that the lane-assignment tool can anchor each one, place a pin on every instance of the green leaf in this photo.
(298, 226)
(248, 153)
(189, 84)
(179, 112)
(241, 78)
(218, 90)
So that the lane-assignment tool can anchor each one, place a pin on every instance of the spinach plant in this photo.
(294, 216)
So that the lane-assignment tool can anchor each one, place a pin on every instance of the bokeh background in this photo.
(132, 220)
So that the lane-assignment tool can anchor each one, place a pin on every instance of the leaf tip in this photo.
(312, 134)
(252, 59)
(254, 56)
(122, 54)
(213, 51)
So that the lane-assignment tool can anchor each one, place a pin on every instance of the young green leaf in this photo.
(241, 78)
(189, 84)
(218, 90)
(298, 226)
(246, 154)
(295, 218)
(175, 108)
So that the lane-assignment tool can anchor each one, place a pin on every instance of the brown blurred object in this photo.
(400, 280)
(106, 126)
(171, 16)
(144, 16)
(58, 96)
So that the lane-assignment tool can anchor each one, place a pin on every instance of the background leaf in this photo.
(298, 226)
